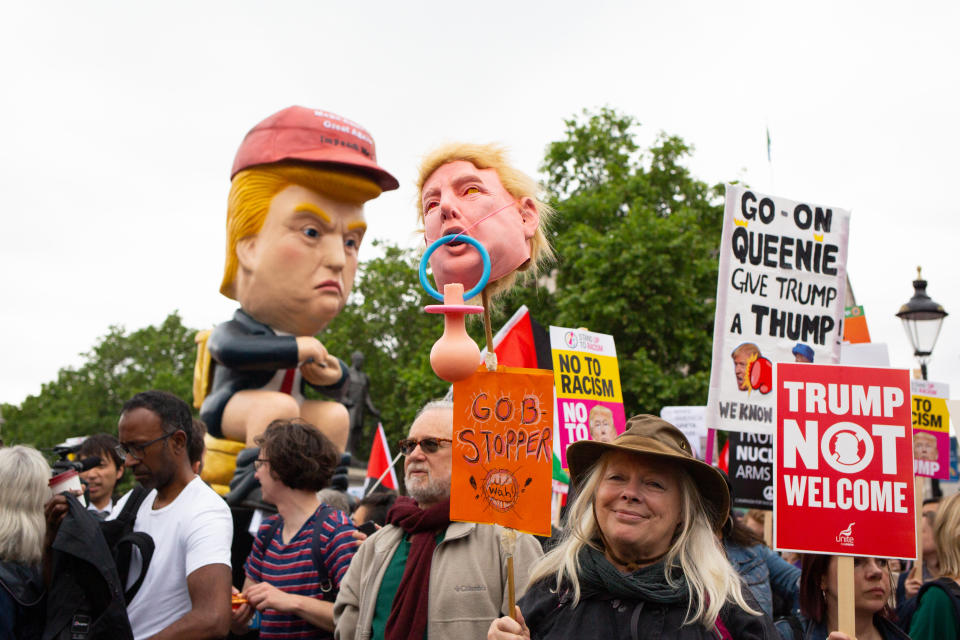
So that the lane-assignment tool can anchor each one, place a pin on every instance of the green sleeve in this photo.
(934, 618)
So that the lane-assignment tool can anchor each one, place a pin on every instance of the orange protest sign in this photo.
(855, 329)
(503, 449)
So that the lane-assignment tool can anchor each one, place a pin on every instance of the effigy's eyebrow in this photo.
(312, 209)
(466, 178)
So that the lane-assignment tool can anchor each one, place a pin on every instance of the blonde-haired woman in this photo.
(24, 474)
(936, 616)
(639, 556)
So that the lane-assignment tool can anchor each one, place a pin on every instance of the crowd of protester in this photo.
(326, 565)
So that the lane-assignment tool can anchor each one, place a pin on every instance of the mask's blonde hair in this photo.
(711, 580)
(946, 531)
(252, 190)
(23, 491)
(517, 183)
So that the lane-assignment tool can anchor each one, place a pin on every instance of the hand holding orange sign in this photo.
(503, 449)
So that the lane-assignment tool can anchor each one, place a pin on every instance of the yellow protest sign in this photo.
(587, 379)
(931, 427)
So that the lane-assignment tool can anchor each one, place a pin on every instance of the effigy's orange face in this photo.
(457, 198)
(299, 270)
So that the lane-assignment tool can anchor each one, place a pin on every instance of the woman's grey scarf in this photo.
(598, 576)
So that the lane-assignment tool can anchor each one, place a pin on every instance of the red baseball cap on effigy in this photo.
(316, 136)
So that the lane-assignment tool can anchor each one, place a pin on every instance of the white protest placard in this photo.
(865, 354)
(691, 421)
(780, 298)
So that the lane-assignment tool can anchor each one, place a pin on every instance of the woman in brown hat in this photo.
(639, 555)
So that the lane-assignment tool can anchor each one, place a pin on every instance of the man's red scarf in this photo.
(408, 615)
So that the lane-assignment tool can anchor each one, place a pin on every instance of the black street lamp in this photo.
(922, 318)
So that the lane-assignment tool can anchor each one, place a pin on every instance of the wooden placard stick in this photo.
(918, 482)
(509, 542)
(510, 587)
(846, 613)
(491, 359)
(509, 537)
(768, 528)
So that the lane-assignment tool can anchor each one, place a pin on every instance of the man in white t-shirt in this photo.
(186, 591)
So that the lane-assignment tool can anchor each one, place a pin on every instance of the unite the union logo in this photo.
(845, 537)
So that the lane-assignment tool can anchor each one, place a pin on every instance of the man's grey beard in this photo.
(432, 493)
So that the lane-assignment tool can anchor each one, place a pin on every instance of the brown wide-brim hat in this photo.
(652, 436)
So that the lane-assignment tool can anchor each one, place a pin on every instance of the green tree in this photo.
(87, 399)
(636, 238)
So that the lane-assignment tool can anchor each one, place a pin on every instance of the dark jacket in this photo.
(21, 601)
(85, 595)
(551, 615)
(246, 355)
(888, 630)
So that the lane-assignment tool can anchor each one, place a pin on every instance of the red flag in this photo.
(380, 462)
(724, 463)
(522, 342)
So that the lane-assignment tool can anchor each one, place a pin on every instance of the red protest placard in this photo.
(503, 449)
(844, 461)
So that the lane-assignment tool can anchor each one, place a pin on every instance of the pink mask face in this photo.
(459, 198)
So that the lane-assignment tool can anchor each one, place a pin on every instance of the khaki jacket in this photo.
(468, 581)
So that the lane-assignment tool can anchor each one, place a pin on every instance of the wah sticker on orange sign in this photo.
(503, 449)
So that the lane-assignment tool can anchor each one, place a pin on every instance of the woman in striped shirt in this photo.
(299, 555)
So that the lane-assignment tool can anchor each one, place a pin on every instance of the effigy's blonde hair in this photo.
(946, 531)
(711, 580)
(253, 189)
(517, 183)
(23, 491)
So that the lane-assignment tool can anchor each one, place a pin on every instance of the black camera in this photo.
(65, 464)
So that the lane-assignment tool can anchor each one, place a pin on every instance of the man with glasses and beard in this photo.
(186, 591)
(423, 574)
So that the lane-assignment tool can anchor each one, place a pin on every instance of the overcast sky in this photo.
(120, 121)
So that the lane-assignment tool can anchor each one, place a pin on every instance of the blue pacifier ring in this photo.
(429, 288)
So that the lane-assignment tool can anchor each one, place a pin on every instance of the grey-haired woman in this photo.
(23, 490)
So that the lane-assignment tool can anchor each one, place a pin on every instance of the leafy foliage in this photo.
(637, 239)
(88, 399)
